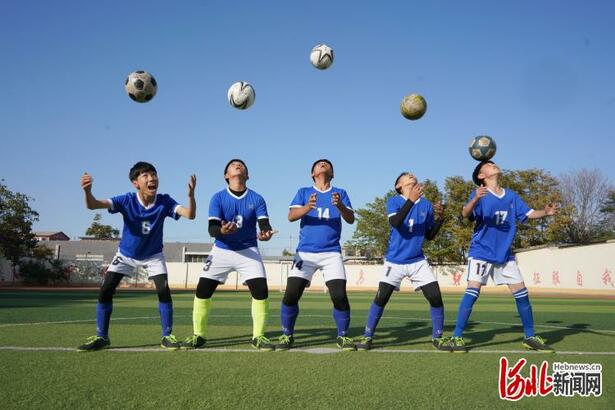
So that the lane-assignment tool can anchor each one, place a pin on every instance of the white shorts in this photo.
(154, 265)
(419, 273)
(330, 264)
(246, 262)
(505, 274)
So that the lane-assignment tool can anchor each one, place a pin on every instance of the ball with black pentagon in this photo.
(482, 148)
(140, 86)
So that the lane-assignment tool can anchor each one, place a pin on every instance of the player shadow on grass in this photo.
(552, 336)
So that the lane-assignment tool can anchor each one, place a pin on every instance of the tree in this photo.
(586, 194)
(16, 218)
(100, 231)
(608, 210)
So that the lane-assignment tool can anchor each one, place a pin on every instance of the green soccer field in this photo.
(41, 369)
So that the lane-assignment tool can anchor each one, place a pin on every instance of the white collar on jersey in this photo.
(150, 206)
(496, 195)
(235, 196)
(404, 198)
(322, 192)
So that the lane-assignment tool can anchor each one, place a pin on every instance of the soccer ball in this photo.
(321, 56)
(482, 148)
(413, 106)
(241, 95)
(140, 86)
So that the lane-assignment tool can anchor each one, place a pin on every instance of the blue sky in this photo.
(537, 76)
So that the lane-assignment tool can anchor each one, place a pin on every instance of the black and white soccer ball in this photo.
(482, 148)
(241, 95)
(140, 86)
(321, 56)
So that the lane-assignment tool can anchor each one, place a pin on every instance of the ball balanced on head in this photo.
(413, 106)
(140, 86)
(482, 148)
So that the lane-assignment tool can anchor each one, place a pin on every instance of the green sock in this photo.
(200, 313)
(260, 312)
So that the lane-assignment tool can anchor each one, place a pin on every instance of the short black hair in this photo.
(477, 181)
(322, 160)
(228, 164)
(139, 168)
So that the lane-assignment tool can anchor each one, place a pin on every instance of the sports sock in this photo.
(465, 309)
(103, 317)
(525, 311)
(200, 314)
(342, 320)
(166, 317)
(437, 321)
(260, 312)
(288, 317)
(375, 313)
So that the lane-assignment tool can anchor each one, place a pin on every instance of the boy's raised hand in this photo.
(86, 182)
(228, 228)
(191, 185)
(415, 192)
(551, 209)
(312, 201)
(266, 235)
(481, 191)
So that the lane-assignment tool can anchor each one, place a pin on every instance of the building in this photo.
(51, 236)
(103, 251)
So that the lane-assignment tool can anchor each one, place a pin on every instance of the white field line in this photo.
(323, 350)
(60, 322)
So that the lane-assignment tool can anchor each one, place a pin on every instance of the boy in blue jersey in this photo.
(411, 217)
(321, 209)
(495, 211)
(233, 215)
(144, 213)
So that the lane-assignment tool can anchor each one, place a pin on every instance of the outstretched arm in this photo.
(190, 211)
(549, 210)
(299, 212)
(90, 201)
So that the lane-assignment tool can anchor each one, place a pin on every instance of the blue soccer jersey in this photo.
(406, 240)
(142, 232)
(496, 225)
(321, 228)
(244, 210)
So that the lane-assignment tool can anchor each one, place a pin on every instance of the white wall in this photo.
(566, 269)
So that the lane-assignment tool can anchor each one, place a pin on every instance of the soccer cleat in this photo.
(346, 344)
(94, 343)
(442, 343)
(170, 342)
(365, 343)
(537, 343)
(193, 342)
(262, 343)
(458, 345)
(285, 342)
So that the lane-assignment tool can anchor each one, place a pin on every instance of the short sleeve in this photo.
(299, 199)
(345, 200)
(477, 211)
(261, 209)
(215, 208)
(392, 207)
(171, 206)
(118, 204)
(522, 210)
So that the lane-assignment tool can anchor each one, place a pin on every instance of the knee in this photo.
(205, 288)
(162, 288)
(107, 289)
(294, 290)
(337, 290)
(432, 293)
(258, 288)
(385, 290)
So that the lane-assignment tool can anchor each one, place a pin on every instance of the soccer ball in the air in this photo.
(482, 148)
(413, 106)
(241, 95)
(321, 56)
(140, 86)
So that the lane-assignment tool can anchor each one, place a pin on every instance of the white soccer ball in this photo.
(321, 56)
(241, 95)
(140, 86)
